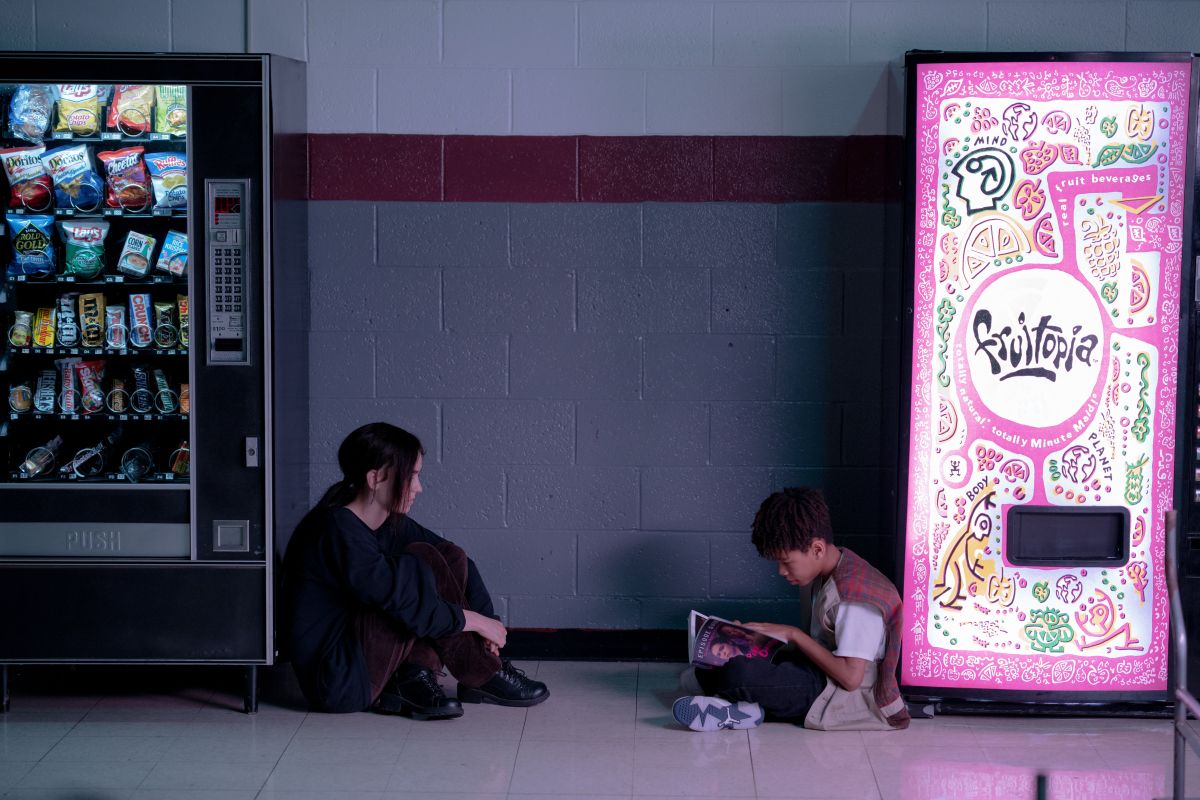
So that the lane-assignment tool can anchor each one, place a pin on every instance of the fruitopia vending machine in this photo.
(1049, 286)
(153, 307)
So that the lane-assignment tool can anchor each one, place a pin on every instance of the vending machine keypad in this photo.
(226, 229)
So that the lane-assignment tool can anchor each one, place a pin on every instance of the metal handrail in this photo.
(1184, 700)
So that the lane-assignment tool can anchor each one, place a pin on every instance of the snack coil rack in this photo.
(136, 427)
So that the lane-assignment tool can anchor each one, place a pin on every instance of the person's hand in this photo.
(785, 632)
(488, 628)
(491, 647)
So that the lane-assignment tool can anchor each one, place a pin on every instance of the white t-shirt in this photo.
(859, 630)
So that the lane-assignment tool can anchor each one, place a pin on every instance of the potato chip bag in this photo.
(76, 184)
(129, 112)
(31, 186)
(84, 244)
(128, 184)
(32, 240)
(29, 112)
(168, 172)
(79, 108)
(170, 113)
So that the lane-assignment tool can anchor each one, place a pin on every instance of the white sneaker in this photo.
(702, 713)
(689, 682)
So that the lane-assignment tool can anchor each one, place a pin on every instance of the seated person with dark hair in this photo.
(376, 604)
(839, 675)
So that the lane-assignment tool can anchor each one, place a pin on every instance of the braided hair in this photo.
(790, 520)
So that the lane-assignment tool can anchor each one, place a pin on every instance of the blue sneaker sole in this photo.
(712, 714)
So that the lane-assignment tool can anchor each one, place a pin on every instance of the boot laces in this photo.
(512, 673)
(430, 682)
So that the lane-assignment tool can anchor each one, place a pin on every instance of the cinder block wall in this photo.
(606, 390)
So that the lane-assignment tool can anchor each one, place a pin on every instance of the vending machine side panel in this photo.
(287, 276)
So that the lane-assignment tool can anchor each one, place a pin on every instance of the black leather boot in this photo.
(414, 692)
(508, 687)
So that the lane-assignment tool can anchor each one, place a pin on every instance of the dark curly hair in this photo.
(790, 520)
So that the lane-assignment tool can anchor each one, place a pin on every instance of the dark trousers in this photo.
(387, 644)
(785, 688)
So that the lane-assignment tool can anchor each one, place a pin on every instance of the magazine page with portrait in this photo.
(712, 641)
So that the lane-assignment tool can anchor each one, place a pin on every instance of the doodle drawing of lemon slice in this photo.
(947, 420)
(1139, 294)
(993, 241)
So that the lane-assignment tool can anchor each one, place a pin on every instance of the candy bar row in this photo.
(76, 386)
(34, 250)
(87, 320)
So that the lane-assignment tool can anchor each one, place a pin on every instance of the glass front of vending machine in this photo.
(152, 225)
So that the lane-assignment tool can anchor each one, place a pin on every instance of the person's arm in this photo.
(846, 671)
(493, 632)
(403, 587)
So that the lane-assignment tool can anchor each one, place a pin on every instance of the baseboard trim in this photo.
(588, 644)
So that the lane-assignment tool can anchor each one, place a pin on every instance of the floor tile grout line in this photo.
(282, 753)
(750, 755)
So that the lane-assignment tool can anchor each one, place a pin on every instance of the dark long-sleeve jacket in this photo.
(336, 568)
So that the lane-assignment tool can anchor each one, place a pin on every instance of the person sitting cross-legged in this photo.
(838, 675)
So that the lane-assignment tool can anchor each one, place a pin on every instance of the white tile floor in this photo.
(606, 732)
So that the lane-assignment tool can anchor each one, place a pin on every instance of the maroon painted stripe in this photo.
(369, 166)
(520, 169)
(609, 169)
(632, 169)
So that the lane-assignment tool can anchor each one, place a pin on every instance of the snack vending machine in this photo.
(154, 310)
(1050, 296)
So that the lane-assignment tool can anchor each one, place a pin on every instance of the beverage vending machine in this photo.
(154, 311)
(1052, 403)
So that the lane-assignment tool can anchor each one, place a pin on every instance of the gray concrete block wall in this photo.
(606, 393)
(121, 26)
(601, 67)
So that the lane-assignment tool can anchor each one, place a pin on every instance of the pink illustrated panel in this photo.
(1048, 246)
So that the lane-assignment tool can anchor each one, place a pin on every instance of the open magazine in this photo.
(712, 641)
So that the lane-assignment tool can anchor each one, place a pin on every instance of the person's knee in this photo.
(738, 670)
(454, 555)
(729, 676)
(426, 552)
